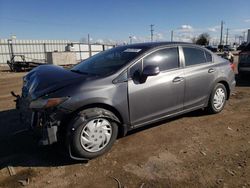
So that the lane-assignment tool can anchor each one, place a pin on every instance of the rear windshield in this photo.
(110, 61)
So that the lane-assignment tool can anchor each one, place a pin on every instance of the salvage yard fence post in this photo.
(36, 50)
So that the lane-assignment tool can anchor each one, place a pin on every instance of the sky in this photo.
(116, 20)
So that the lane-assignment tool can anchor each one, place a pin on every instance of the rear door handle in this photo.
(211, 70)
(178, 79)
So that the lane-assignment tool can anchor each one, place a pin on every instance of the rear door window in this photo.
(208, 56)
(194, 56)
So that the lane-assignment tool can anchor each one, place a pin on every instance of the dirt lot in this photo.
(194, 150)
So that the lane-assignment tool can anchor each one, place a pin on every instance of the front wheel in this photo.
(217, 99)
(95, 135)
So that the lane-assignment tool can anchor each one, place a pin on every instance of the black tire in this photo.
(211, 108)
(82, 120)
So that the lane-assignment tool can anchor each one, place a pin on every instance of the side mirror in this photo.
(151, 70)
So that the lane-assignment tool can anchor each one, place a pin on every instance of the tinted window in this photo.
(108, 62)
(135, 69)
(208, 56)
(194, 56)
(166, 59)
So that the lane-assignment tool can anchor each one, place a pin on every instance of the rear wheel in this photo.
(217, 99)
(95, 135)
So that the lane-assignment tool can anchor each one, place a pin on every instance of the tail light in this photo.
(232, 66)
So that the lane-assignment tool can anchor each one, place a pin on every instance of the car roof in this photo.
(157, 44)
(246, 48)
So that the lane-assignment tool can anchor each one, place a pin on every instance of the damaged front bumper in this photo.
(45, 121)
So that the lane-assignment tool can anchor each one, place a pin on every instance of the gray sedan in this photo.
(122, 89)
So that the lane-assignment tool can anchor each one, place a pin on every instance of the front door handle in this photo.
(211, 70)
(178, 79)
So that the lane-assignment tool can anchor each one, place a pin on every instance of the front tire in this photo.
(217, 99)
(95, 135)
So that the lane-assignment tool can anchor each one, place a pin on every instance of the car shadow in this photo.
(19, 147)
(196, 113)
(5, 70)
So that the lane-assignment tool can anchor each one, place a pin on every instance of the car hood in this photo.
(48, 78)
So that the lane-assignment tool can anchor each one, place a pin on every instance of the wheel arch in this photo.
(221, 81)
(103, 106)
(122, 128)
(226, 86)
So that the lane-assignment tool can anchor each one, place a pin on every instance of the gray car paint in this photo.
(159, 97)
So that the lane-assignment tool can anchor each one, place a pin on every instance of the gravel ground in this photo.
(193, 150)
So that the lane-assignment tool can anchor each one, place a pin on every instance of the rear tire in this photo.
(95, 135)
(217, 99)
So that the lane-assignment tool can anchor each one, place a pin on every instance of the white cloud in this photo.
(184, 37)
(247, 20)
(85, 40)
(134, 38)
(105, 41)
(214, 28)
(159, 37)
(139, 39)
(100, 41)
(186, 28)
(109, 41)
(239, 30)
(189, 27)
(184, 33)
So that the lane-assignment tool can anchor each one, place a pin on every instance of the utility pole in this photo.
(152, 32)
(88, 39)
(221, 32)
(90, 50)
(235, 38)
(130, 39)
(172, 36)
(244, 33)
(227, 36)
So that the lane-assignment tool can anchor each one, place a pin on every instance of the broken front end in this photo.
(40, 104)
(42, 116)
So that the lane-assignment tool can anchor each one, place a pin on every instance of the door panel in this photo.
(200, 73)
(160, 95)
(198, 83)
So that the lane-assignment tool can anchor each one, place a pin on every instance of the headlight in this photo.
(47, 103)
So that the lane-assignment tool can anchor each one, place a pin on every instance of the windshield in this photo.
(108, 62)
